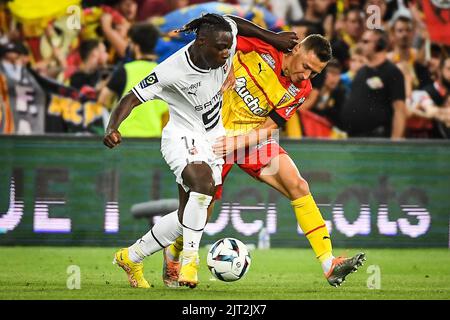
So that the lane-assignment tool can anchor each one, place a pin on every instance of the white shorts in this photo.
(183, 148)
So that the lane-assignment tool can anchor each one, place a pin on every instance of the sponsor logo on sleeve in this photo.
(268, 59)
(293, 90)
(148, 81)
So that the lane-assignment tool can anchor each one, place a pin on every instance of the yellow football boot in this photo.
(133, 270)
(189, 270)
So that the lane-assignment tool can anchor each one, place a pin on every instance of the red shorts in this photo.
(252, 161)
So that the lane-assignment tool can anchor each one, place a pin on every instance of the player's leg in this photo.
(198, 178)
(163, 233)
(171, 256)
(282, 174)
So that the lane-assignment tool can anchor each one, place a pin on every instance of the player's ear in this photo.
(297, 47)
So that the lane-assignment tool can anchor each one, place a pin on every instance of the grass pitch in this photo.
(41, 273)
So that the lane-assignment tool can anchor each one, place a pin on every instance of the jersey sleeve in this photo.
(154, 85)
(283, 113)
(248, 44)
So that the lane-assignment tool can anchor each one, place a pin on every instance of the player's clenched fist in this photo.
(112, 138)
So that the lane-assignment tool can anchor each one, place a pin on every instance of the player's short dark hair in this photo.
(86, 47)
(320, 45)
(145, 35)
(209, 22)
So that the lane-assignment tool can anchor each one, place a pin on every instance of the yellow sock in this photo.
(311, 222)
(176, 248)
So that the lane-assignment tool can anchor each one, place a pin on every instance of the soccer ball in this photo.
(228, 259)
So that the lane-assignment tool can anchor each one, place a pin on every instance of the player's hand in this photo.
(223, 146)
(112, 138)
(285, 41)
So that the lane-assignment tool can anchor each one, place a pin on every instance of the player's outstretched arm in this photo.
(112, 136)
(283, 41)
(226, 145)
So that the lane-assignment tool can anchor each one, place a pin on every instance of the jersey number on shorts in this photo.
(211, 118)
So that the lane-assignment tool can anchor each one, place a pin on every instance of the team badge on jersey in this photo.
(149, 80)
(193, 151)
(285, 98)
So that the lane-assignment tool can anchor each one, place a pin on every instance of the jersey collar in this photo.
(192, 65)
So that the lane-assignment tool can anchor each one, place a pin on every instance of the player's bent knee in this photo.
(298, 187)
(204, 184)
(204, 187)
(199, 178)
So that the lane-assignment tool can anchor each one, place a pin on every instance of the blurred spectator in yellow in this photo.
(147, 119)
(376, 104)
(349, 35)
(405, 56)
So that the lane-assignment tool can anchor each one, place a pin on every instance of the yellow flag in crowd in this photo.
(35, 15)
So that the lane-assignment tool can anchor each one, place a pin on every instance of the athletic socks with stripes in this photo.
(165, 231)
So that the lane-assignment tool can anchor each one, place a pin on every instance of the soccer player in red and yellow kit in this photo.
(269, 86)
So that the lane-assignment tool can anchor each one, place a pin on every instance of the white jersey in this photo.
(193, 94)
(195, 108)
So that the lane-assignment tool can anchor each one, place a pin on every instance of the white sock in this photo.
(326, 265)
(188, 255)
(194, 220)
(165, 231)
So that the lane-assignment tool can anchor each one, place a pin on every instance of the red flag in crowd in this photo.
(437, 18)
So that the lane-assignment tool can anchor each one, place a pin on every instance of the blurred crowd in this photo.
(64, 64)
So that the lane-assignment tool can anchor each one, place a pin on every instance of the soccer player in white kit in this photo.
(190, 81)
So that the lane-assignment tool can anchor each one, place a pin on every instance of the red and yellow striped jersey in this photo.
(261, 90)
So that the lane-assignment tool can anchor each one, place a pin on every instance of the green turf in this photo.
(41, 273)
